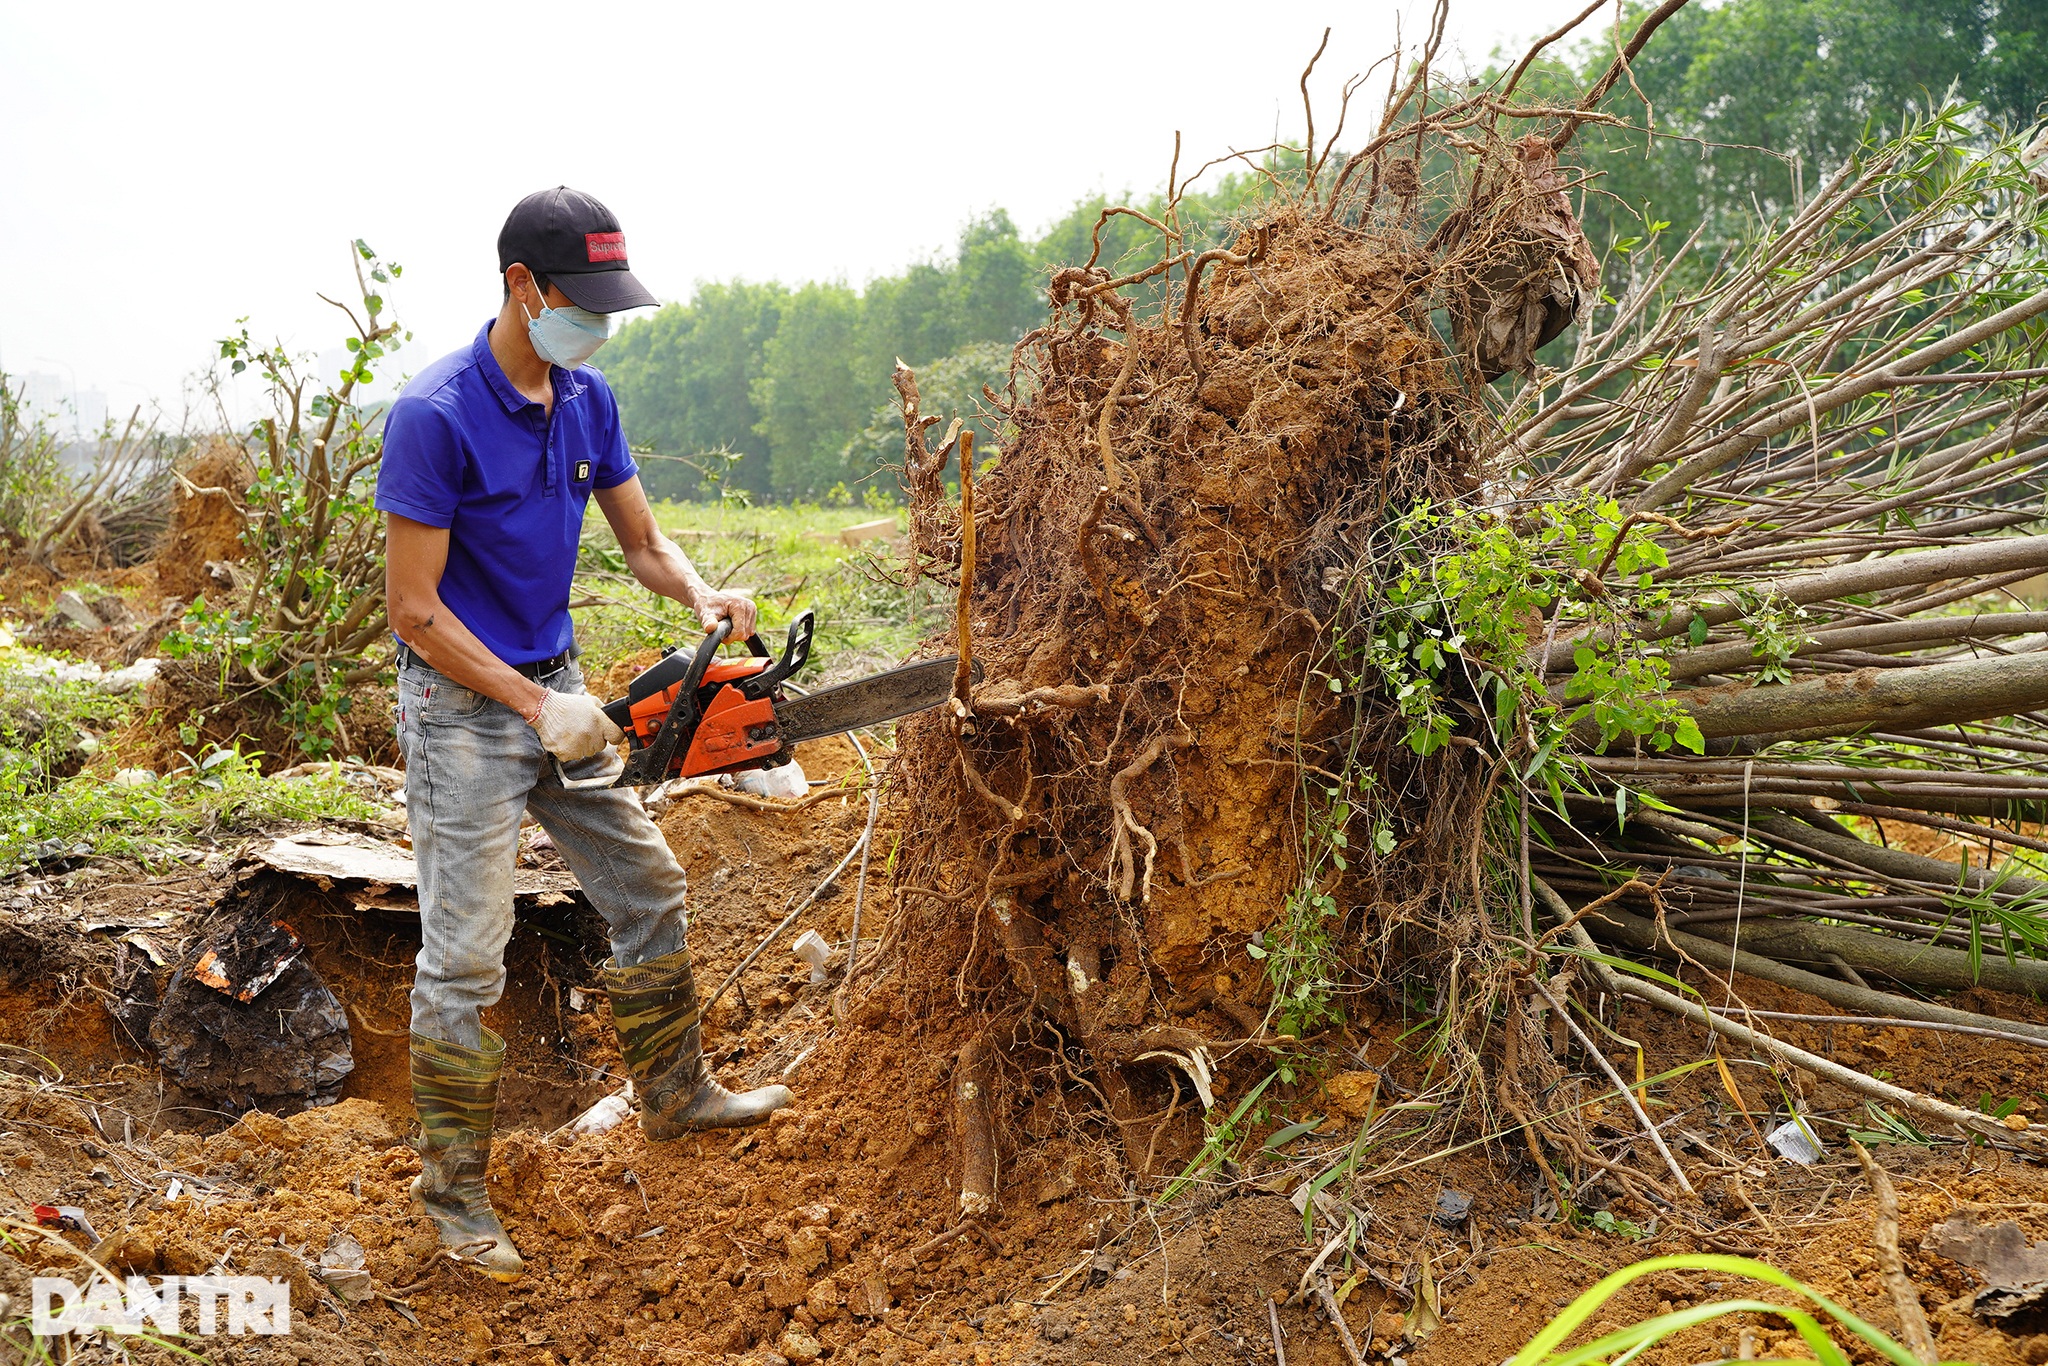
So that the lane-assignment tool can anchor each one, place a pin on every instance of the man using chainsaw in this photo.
(490, 457)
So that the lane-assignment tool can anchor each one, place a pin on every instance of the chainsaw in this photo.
(694, 715)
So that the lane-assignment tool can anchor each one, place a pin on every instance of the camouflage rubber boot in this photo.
(455, 1091)
(654, 1007)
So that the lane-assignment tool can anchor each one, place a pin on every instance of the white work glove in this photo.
(572, 726)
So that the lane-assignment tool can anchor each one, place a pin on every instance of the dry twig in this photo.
(1884, 1237)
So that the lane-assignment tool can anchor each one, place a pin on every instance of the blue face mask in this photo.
(567, 336)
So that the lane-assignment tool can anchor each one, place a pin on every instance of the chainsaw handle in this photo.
(685, 696)
(580, 784)
(706, 652)
(796, 652)
(680, 726)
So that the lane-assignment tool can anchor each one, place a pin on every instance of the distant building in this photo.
(47, 397)
(75, 414)
(91, 406)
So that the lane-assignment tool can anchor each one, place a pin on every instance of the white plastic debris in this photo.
(784, 780)
(578, 1002)
(1795, 1142)
(341, 1267)
(606, 1115)
(32, 665)
(73, 608)
(812, 948)
(134, 777)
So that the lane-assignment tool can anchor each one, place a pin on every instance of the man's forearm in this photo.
(662, 567)
(450, 648)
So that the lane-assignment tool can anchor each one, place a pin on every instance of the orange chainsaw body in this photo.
(692, 714)
(735, 731)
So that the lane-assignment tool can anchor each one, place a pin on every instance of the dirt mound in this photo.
(816, 1235)
(186, 713)
(714, 1245)
(208, 518)
(823, 1232)
(611, 679)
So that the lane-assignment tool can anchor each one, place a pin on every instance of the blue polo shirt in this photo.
(465, 450)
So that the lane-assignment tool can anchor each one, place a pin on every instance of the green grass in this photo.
(770, 554)
(220, 793)
(48, 726)
(1612, 1349)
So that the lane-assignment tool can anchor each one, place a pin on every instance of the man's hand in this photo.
(572, 726)
(713, 606)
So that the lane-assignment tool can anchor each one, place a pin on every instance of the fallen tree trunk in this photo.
(1145, 793)
(1633, 931)
(1902, 960)
(1871, 699)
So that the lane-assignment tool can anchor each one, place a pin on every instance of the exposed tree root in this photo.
(1270, 577)
(973, 1077)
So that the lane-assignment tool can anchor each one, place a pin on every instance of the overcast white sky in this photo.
(169, 168)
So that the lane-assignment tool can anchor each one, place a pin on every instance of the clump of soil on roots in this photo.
(1093, 847)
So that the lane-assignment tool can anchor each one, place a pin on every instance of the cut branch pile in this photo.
(1853, 412)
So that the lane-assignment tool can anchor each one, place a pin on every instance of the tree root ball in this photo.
(1159, 561)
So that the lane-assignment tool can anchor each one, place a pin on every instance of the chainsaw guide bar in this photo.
(867, 701)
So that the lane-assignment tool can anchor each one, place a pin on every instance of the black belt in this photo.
(537, 670)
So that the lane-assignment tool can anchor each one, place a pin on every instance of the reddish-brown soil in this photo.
(797, 1238)
(207, 521)
(816, 1235)
(129, 600)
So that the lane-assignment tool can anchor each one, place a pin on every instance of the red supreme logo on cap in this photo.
(605, 246)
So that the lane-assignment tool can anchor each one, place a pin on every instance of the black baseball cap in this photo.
(575, 241)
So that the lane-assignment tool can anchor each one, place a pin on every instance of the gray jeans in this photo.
(472, 766)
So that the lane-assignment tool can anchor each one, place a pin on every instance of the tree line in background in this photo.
(1755, 102)
(783, 392)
